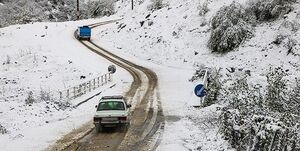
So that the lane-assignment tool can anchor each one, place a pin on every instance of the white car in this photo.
(111, 111)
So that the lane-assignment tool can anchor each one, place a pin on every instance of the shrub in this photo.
(156, 5)
(294, 100)
(262, 121)
(230, 27)
(292, 26)
(276, 90)
(279, 39)
(26, 11)
(45, 96)
(213, 88)
(203, 8)
(290, 44)
(62, 105)
(3, 130)
(30, 99)
(266, 10)
(213, 84)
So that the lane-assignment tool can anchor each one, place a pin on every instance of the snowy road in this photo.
(147, 119)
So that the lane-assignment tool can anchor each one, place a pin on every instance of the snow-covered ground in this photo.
(175, 39)
(172, 36)
(45, 56)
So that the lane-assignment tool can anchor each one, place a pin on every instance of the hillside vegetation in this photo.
(251, 48)
(27, 11)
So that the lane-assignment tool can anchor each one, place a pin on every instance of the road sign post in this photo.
(200, 89)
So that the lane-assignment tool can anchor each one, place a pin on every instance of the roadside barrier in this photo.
(83, 88)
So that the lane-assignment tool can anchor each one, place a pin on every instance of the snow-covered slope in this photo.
(172, 41)
(175, 37)
(44, 58)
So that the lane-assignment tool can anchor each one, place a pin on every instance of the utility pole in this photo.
(77, 12)
(132, 4)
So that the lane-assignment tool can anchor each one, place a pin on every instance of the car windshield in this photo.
(111, 105)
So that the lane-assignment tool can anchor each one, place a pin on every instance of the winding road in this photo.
(147, 119)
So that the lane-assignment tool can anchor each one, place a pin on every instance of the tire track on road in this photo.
(147, 122)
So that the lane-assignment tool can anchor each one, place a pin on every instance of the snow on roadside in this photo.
(173, 36)
(46, 57)
(170, 41)
(175, 41)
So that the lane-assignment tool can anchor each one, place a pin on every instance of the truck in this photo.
(84, 33)
(112, 111)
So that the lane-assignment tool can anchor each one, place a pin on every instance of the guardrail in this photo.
(83, 88)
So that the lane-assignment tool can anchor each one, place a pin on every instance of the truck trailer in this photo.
(84, 33)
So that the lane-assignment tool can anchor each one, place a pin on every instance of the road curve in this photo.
(147, 119)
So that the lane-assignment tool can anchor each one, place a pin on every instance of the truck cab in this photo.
(84, 33)
(111, 111)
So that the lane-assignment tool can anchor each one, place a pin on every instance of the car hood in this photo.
(111, 113)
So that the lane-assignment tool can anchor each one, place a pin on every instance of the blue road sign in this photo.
(199, 90)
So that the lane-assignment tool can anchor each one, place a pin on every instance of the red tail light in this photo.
(122, 118)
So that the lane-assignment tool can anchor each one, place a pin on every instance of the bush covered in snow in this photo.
(230, 27)
(30, 99)
(45, 96)
(232, 24)
(203, 8)
(213, 84)
(26, 11)
(3, 130)
(286, 36)
(156, 5)
(266, 10)
(49, 99)
(257, 120)
(276, 94)
(292, 26)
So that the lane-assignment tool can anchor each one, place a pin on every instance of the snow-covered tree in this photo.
(203, 8)
(266, 10)
(276, 95)
(3, 130)
(294, 100)
(25, 11)
(252, 122)
(156, 5)
(230, 27)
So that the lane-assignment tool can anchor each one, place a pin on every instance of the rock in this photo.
(248, 72)
(82, 77)
(148, 16)
(142, 23)
(150, 23)
(231, 69)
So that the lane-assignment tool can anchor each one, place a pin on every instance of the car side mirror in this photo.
(96, 106)
(128, 105)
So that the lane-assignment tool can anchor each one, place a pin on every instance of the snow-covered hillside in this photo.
(38, 60)
(172, 41)
(177, 36)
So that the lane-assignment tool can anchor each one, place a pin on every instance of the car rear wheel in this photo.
(123, 128)
(99, 128)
